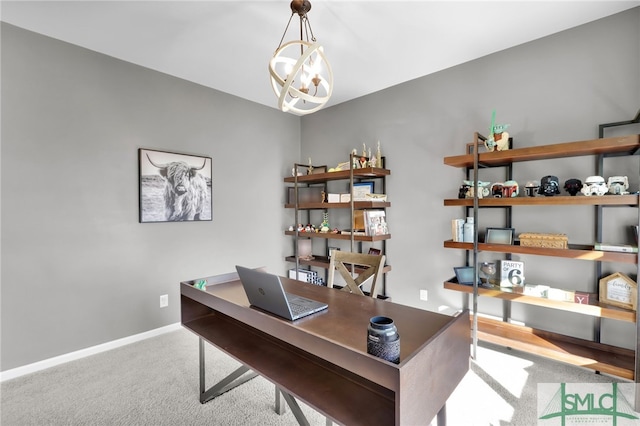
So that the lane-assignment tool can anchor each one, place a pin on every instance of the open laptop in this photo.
(265, 291)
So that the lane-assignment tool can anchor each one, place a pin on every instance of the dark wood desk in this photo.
(322, 359)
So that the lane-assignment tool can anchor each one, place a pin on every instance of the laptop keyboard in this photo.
(298, 309)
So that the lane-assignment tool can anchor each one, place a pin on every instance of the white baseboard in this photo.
(72, 356)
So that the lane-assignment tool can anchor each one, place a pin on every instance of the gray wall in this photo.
(556, 89)
(77, 267)
(78, 270)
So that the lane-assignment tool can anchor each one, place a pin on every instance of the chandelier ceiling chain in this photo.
(311, 68)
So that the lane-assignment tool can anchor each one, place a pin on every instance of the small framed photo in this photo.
(619, 290)
(464, 274)
(360, 189)
(499, 236)
(374, 251)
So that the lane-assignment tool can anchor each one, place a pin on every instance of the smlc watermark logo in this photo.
(587, 404)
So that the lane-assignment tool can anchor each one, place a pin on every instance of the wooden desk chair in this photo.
(367, 266)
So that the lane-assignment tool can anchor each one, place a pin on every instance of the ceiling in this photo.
(371, 45)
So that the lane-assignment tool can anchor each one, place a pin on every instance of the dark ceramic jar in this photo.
(383, 339)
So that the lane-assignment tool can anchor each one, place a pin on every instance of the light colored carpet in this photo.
(155, 382)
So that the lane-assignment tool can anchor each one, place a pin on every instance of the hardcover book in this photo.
(375, 222)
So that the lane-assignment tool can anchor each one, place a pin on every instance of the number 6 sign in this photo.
(511, 273)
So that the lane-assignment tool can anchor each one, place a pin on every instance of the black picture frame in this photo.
(464, 274)
(499, 236)
(174, 187)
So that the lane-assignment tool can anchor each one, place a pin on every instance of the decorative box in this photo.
(532, 239)
(333, 198)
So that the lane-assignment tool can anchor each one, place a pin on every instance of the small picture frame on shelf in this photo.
(464, 274)
(361, 189)
(499, 236)
(374, 251)
(618, 290)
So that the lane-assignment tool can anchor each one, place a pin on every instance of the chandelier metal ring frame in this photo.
(310, 70)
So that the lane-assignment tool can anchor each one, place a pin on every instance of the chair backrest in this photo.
(367, 267)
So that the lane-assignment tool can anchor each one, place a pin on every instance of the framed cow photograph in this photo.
(174, 187)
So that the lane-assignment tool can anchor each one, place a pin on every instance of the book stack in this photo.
(457, 229)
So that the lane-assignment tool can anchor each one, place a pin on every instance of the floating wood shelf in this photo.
(331, 236)
(575, 251)
(368, 172)
(583, 353)
(357, 205)
(323, 262)
(600, 311)
(620, 145)
(560, 200)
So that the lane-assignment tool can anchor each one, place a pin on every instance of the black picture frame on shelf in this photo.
(160, 196)
(464, 274)
(499, 236)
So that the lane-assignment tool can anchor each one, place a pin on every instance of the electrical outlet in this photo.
(164, 300)
(424, 295)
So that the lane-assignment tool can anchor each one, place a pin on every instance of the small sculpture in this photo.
(618, 185)
(324, 226)
(594, 185)
(510, 189)
(498, 139)
(310, 168)
(379, 156)
(496, 189)
(531, 188)
(549, 186)
(373, 161)
(483, 188)
(573, 186)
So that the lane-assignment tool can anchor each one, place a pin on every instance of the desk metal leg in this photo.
(442, 416)
(280, 407)
(295, 409)
(231, 381)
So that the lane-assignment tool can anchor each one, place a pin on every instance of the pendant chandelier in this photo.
(301, 77)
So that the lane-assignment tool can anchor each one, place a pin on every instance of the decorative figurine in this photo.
(510, 189)
(531, 188)
(355, 159)
(464, 191)
(594, 185)
(549, 186)
(498, 139)
(573, 186)
(310, 168)
(496, 189)
(483, 188)
(618, 185)
(372, 160)
(324, 226)
(379, 156)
